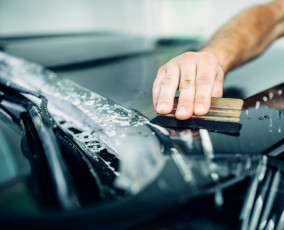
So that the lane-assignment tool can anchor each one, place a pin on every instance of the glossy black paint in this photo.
(128, 80)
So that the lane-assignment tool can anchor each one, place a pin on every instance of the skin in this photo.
(200, 75)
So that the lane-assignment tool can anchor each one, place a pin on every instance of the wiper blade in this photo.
(15, 104)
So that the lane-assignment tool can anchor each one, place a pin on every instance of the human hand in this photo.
(198, 76)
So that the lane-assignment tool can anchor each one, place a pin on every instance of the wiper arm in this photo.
(60, 174)
(16, 105)
(16, 89)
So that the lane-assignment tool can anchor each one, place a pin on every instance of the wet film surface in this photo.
(93, 117)
(169, 164)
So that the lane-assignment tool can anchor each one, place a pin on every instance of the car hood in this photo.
(201, 161)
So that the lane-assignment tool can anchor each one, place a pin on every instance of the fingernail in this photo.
(199, 108)
(163, 107)
(181, 111)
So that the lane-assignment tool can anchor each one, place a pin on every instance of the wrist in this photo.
(223, 59)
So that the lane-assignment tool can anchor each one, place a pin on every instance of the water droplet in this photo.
(111, 133)
(280, 92)
(260, 118)
(279, 130)
(266, 117)
(76, 102)
(125, 123)
(257, 104)
(117, 142)
(265, 98)
(91, 102)
(270, 126)
(247, 112)
(270, 95)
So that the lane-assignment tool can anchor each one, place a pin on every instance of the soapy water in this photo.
(104, 112)
(257, 104)
(103, 124)
(122, 131)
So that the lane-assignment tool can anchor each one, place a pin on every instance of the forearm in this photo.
(247, 35)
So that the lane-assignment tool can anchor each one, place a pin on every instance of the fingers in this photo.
(156, 85)
(218, 84)
(205, 78)
(198, 76)
(186, 88)
(165, 87)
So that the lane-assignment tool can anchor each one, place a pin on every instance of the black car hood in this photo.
(160, 163)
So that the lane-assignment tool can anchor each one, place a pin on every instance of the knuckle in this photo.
(204, 80)
(188, 55)
(162, 70)
(167, 80)
(186, 84)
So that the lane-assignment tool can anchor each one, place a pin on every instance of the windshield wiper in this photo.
(33, 118)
